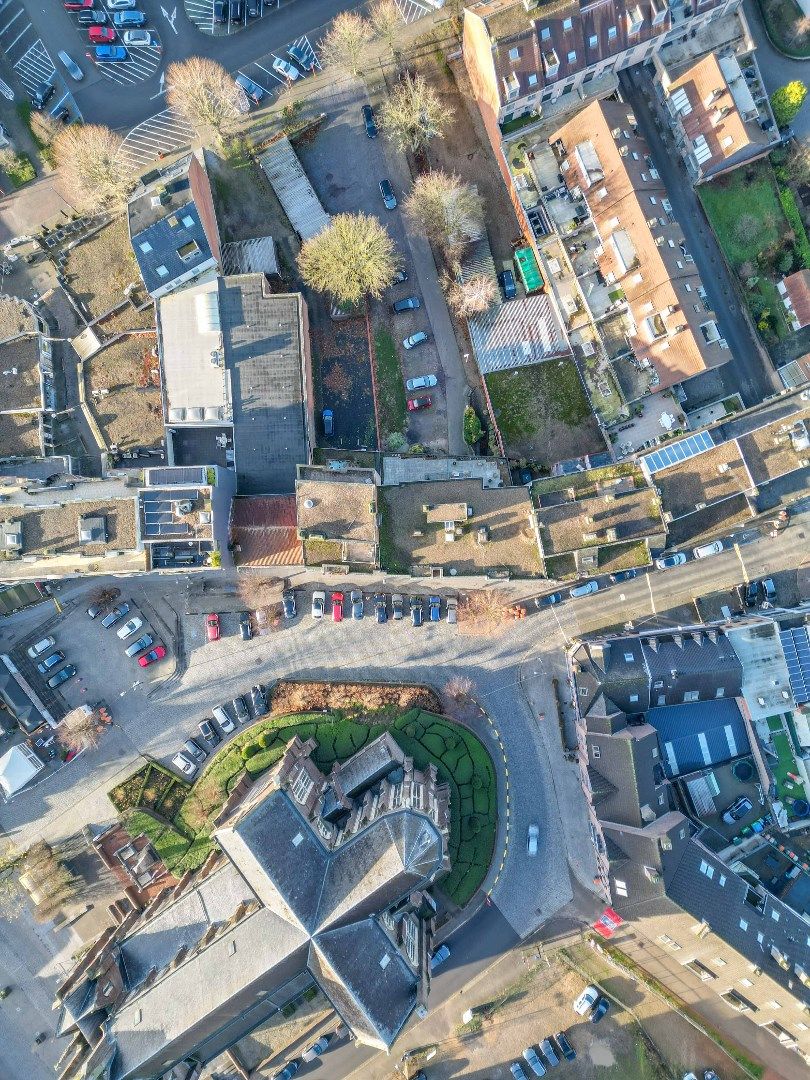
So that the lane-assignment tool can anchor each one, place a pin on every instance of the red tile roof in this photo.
(265, 531)
(798, 289)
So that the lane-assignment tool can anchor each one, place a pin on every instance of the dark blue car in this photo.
(435, 606)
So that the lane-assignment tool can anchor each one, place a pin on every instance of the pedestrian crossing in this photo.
(201, 13)
(162, 134)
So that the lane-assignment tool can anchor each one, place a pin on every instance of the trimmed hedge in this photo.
(794, 217)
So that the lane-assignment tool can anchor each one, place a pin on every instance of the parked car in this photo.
(71, 66)
(288, 603)
(410, 303)
(585, 589)
(258, 700)
(397, 606)
(40, 647)
(95, 610)
(439, 956)
(77, 5)
(318, 604)
(50, 662)
(235, 9)
(212, 627)
(565, 1047)
(142, 643)
(251, 88)
(417, 403)
(399, 277)
(125, 19)
(751, 593)
(549, 1053)
(380, 610)
(532, 838)
(602, 1007)
(317, 1048)
(209, 733)
(451, 606)
(586, 1001)
(768, 591)
(99, 35)
(62, 676)
(240, 709)
(225, 722)
(356, 600)
(121, 5)
(548, 600)
(507, 282)
(305, 58)
(388, 196)
(533, 1061)
(129, 628)
(192, 749)
(435, 608)
(369, 121)
(623, 575)
(245, 626)
(738, 809)
(337, 607)
(152, 656)
(328, 418)
(285, 69)
(704, 551)
(117, 613)
(288, 1072)
(220, 11)
(41, 94)
(184, 764)
(417, 611)
(91, 17)
(110, 54)
(677, 558)
(516, 1070)
(137, 37)
(421, 382)
(419, 338)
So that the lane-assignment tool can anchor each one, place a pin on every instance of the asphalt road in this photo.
(778, 69)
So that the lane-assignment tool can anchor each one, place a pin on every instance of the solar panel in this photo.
(796, 647)
(679, 451)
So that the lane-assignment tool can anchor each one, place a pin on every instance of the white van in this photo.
(705, 550)
(223, 719)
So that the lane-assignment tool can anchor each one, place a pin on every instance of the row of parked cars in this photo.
(400, 607)
(145, 644)
(112, 32)
(195, 750)
(48, 661)
(552, 1049)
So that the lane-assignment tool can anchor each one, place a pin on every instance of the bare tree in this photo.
(346, 45)
(413, 115)
(47, 879)
(80, 729)
(103, 595)
(204, 93)
(458, 688)
(260, 593)
(386, 21)
(478, 293)
(11, 892)
(89, 160)
(354, 257)
(483, 613)
(450, 212)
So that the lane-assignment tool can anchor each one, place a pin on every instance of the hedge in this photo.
(794, 217)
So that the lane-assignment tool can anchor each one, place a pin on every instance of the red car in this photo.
(415, 403)
(78, 5)
(101, 35)
(212, 627)
(337, 607)
(154, 654)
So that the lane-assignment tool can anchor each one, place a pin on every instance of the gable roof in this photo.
(699, 734)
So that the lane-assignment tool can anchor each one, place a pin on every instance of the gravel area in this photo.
(100, 268)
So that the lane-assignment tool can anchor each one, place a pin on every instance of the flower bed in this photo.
(290, 696)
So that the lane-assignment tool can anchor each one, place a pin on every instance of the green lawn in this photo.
(461, 758)
(745, 215)
(390, 386)
(786, 788)
(786, 28)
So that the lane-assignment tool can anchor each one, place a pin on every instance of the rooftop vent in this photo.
(297, 839)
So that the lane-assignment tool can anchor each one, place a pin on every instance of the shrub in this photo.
(410, 730)
(791, 211)
(477, 782)
(784, 263)
(249, 750)
(471, 826)
(450, 741)
(310, 993)
(266, 739)
(472, 426)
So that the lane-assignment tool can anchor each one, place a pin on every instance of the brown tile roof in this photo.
(769, 451)
(609, 518)
(700, 83)
(264, 528)
(340, 510)
(642, 243)
(56, 528)
(705, 478)
(798, 290)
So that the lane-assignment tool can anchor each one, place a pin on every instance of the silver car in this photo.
(129, 628)
(421, 382)
(73, 68)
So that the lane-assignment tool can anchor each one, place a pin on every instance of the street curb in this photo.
(774, 46)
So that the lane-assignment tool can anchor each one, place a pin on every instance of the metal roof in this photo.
(699, 734)
(517, 333)
(285, 172)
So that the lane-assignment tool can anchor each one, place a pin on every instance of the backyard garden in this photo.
(179, 819)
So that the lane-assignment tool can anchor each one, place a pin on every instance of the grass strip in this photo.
(390, 386)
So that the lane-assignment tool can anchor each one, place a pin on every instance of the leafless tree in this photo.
(103, 595)
(346, 45)
(413, 115)
(80, 730)
(11, 892)
(450, 212)
(478, 293)
(204, 93)
(89, 160)
(458, 688)
(46, 875)
(482, 613)
(386, 21)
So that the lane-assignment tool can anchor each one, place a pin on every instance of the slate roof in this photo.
(691, 663)
(626, 761)
(639, 856)
(699, 734)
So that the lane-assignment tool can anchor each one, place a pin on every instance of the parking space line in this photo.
(62, 99)
(10, 21)
(17, 38)
(272, 74)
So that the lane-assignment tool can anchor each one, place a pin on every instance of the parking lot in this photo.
(261, 71)
(24, 50)
(142, 59)
(233, 17)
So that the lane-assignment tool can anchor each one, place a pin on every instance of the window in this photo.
(707, 869)
(760, 938)
(746, 982)
(774, 1004)
(567, 24)
(514, 54)
(653, 200)
(670, 943)
(302, 787)
(743, 924)
(655, 752)
(688, 288)
(532, 80)
(628, 656)
(611, 33)
(692, 695)
(634, 697)
(595, 751)
(593, 41)
(572, 57)
(145, 247)
(721, 690)
(774, 915)
(621, 887)
(161, 271)
(702, 972)
(719, 961)
(188, 221)
(722, 879)
(545, 34)
(662, 698)
(660, 798)
(682, 833)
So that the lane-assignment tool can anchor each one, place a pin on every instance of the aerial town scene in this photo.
(404, 540)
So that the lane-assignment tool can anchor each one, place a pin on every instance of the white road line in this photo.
(59, 102)
(10, 21)
(272, 74)
(17, 38)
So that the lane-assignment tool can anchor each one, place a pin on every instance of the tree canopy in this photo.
(352, 258)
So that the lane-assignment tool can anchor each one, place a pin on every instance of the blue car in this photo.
(435, 607)
(125, 20)
(109, 54)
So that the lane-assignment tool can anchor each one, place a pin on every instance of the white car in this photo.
(422, 382)
(137, 37)
(531, 839)
(282, 67)
(40, 647)
(318, 604)
(121, 5)
(705, 550)
(130, 627)
(586, 1001)
(184, 764)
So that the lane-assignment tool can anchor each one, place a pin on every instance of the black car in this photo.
(241, 710)
(507, 280)
(62, 676)
(91, 18)
(208, 733)
(600, 1009)
(751, 593)
(245, 627)
(370, 122)
(623, 575)
(235, 7)
(565, 1047)
(258, 699)
(288, 602)
(253, 9)
(410, 303)
(95, 610)
(41, 95)
(220, 11)
(380, 611)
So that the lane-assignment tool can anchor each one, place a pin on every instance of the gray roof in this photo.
(645, 860)
(699, 734)
(626, 767)
(256, 256)
(172, 247)
(369, 764)
(295, 193)
(515, 334)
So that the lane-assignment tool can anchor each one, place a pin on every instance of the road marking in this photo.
(6, 90)
(17, 38)
(652, 598)
(162, 89)
(10, 21)
(742, 562)
(170, 18)
(62, 99)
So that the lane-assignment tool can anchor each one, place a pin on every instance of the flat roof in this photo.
(340, 510)
(20, 377)
(706, 478)
(20, 435)
(630, 515)
(194, 382)
(55, 529)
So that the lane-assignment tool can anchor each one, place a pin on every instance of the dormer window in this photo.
(572, 57)
(593, 41)
(659, 11)
(551, 62)
(511, 85)
(567, 24)
(545, 34)
(514, 54)
(635, 20)
(612, 33)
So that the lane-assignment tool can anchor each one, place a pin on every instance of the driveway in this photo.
(748, 371)
(777, 69)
